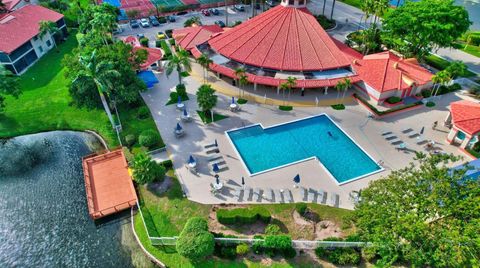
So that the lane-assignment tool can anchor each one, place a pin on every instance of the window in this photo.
(301, 2)
(49, 43)
(291, 2)
(20, 51)
(35, 38)
(40, 49)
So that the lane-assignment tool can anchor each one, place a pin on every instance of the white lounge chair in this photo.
(304, 193)
(413, 134)
(278, 196)
(237, 192)
(288, 196)
(389, 136)
(214, 157)
(395, 141)
(209, 146)
(267, 194)
(407, 130)
(311, 196)
(402, 146)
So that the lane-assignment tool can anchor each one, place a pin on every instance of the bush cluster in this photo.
(167, 164)
(473, 39)
(166, 49)
(341, 256)
(143, 112)
(181, 91)
(144, 41)
(278, 245)
(376, 111)
(301, 208)
(148, 138)
(243, 215)
(130, 140)
(272, 229)
(442, 90)
(195, 242)
(393, 99)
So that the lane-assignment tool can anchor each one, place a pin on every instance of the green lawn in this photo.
(440, 64)
(208, 119)
(45, 102)
(165, 214)
(473, 50)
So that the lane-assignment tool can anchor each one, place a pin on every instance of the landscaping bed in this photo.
(383, 113)
(441, 64)
(207, 119)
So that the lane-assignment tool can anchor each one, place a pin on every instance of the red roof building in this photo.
(464, 117)
(190, 37)
(20, 45)
(154, 54)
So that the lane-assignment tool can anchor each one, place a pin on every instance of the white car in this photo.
(145, 23)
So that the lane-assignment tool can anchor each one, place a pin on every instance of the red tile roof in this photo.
(283, 38)
(154, 54)
(188, 38)
(21, 25)
(466, 116)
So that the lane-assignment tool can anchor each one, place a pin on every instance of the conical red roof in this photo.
(282, 38)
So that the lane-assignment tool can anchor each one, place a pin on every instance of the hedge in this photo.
(166, 49)
(377, 112)
(148, 138)
(279, 244)
(167, 164)
(393, 99)
(243, 215)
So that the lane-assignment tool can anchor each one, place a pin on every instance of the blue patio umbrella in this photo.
(297, 179)
(243, 181)
(179, 100)
(233, 100)
(215, 168)
(217, 180)
(191, 160)
(185, 111)
(216, 144)
(422, 130)
(178, 128)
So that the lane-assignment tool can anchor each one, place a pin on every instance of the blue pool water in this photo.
(264, 149)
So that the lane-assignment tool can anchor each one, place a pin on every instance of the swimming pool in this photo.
(263, 149)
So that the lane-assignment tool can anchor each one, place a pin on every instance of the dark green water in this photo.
(44, 220)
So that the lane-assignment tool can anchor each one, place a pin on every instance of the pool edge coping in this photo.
(305, 159)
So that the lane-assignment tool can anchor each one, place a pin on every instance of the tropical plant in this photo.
(291, 82)
(239, 72)
(179, 61)
(103, 25)
(204, 61)
(8, 85)
(242, 82)
(146, 170)
(419, 27)
(97, 73)
(341, 86)
(206, 98)
(195, 242)
(425, 214)
(48, 27)
(191, 21)
(3, 7)
(456, 68)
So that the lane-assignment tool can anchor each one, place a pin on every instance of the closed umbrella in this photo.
(233, 100)
(296, 179)
(422, 130)
(217, 180)
(191, 160)
(216, 144)
(185, 112)
(179, 100)
(243, 182)
(178, 128)
(215, 168)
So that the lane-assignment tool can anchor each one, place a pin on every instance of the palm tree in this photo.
(243, 81)
(333, 7)
(103, 25)
(340, 87)
(101, 74)
(45, 27)
(347, 84)
(240, 71)
(291, 82)
(284, 86)
(177, 62)
(204, 61)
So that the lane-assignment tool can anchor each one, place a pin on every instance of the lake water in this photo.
(44, 220)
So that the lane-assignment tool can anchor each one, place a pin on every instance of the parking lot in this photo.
(151, 31)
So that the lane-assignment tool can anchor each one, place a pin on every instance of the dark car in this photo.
(171, 18)
(140, 36)
(134, 24)
(214, 11)
(239, 7)
(154, 21)
(220, 23)
(205, 12)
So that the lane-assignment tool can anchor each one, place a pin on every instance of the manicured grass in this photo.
(242, 101)
(338, 106)
(473, 50)
(168, 212)
(355, 3)
(184, 74)
(207, 119)
(172, 101)
(45, 104)
(285, 108)
(440, 64)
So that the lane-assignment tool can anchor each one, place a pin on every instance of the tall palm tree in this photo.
(284, 86)
(103, 25)
(291, 82)
(238, 73)
(101, 73)
(45, 27)
(204, 61)
(340, 87)
(347, 84)
(242, 82)
(179, 61)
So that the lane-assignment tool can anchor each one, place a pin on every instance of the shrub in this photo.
(285, 108)
(341, 256)
(455, 87)
(158, 43)
(143, 112)
(148, 138)
(369, 253)
(325, 22)
(243, 215)
(394, 99)
(257, 246)
(195, 242)
(181, 91)
(272, 229)
(144, 41)
(228, 252)
(238, 22)
(242, 101)
(430, 104)
(301, 208)
(278, 244)
(173, 97)
(338, 106)
(146, 170)
(172, 41)
(167, 164)
(242, 249)
(130, 140)
(473, 40)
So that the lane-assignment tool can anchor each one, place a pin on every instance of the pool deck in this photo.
(365, 131)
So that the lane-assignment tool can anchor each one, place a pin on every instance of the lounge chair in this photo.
(256, 191)
(237, 192)
(246, 193)
(208, 146)
(395, 141)
(278, 196)
(178, 133)
(214, 157)
(390, 136)
(385, 133)
(334, 200)
(413, 134)
(304, 193)
(311, 196)
(407, 130)
(267, 194)
(402, 146)
(186, 118)
(421, 140)
(288, 196)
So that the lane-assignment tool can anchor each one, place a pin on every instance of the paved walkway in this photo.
(354, 120)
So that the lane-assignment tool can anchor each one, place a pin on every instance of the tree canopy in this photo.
(146, 170)
(206, 98)
(425, 214)
(418, 27)
(195, 242)
(8, 85)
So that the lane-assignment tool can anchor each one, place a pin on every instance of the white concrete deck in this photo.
(366, 132)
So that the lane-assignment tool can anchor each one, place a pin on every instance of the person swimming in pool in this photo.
(330, 134)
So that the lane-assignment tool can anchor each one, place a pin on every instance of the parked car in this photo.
(205, 12)
(144, 23)
(181, 13)
(161, 36)
(270, 3)
(239, 7)
(162, 20)
(154, 21)
(171, 18)
(134, 24)
(220, 23)
(214, 11)
(140, 36)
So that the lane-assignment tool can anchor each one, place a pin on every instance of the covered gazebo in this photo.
(464, 119)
